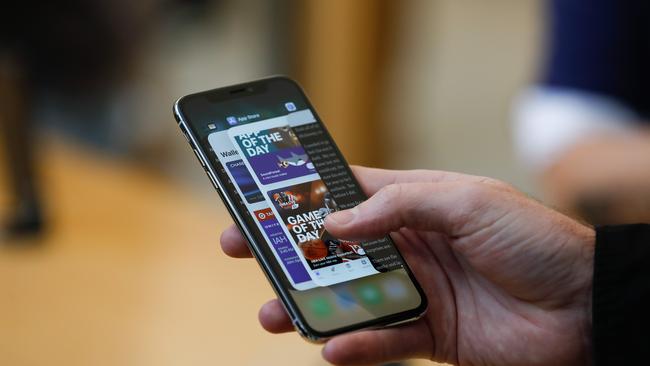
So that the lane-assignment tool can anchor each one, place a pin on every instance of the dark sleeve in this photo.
(602, 47)
(621, 295)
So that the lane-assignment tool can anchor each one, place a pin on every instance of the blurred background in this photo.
(110, 229)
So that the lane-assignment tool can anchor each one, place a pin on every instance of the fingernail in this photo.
(342, 217)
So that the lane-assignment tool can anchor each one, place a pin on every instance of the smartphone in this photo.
(279, 173)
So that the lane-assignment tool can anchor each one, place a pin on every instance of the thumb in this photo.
(443, 207)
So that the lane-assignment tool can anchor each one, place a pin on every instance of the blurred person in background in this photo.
(73, 52)
(63, 64)
(584, 127)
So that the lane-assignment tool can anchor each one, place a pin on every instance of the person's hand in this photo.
(508, 280)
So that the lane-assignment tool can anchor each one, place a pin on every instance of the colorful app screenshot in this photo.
(298, 198)
(258, 207)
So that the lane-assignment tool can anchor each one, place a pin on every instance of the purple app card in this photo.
(244, 181)
(275, 154)
(281, 165)
(282, 246)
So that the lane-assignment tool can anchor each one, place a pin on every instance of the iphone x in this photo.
(279, 173)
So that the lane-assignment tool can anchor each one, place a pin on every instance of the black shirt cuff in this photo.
(621, 295)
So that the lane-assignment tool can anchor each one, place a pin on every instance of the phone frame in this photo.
(297, 319)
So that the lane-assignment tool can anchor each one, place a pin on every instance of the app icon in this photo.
(344, 299)
(232, 120)
(286, 200)
(290, 106)
(369, 293)
(394, 288)
(320, 307)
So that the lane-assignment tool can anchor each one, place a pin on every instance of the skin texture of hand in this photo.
(508, 280)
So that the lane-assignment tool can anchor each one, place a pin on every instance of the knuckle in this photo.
(470, 198)
(473, 197)
(390, 192)
(390, 202)
(496, 183)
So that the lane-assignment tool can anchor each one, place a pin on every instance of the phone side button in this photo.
(184, 131)
(213, 180)
(199, 157)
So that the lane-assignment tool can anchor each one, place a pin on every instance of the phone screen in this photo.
(283, 173)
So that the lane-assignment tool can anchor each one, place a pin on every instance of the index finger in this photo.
(234, 244)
